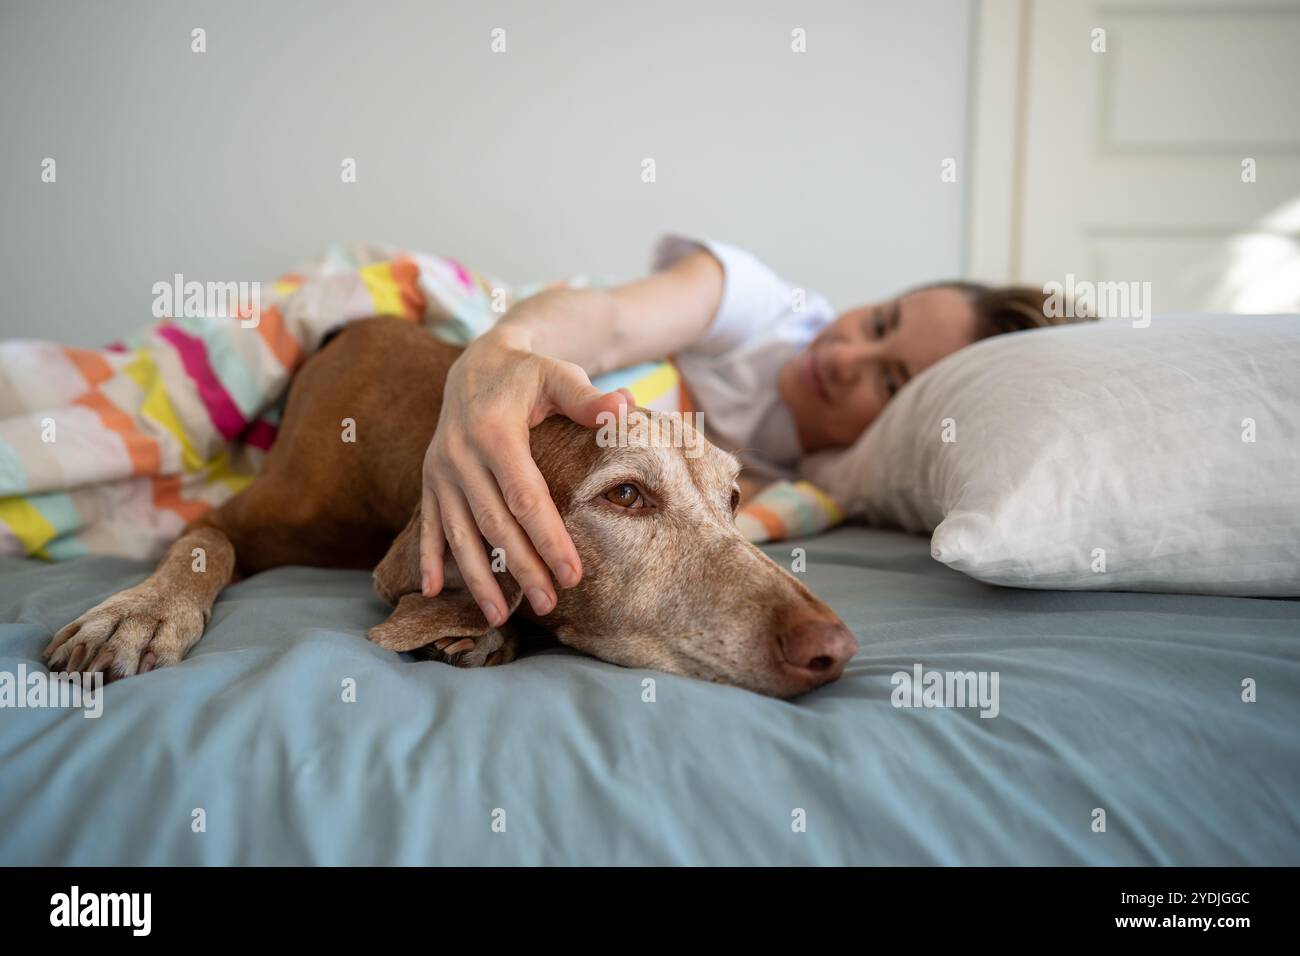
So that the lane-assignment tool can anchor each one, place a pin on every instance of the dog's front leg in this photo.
(156, 622)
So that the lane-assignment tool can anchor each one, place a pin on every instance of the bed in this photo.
(1127, 703)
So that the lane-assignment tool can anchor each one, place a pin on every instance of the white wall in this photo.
(225, 165)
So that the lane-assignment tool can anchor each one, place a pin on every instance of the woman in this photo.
(773, 369)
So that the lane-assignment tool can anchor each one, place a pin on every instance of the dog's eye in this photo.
(626, 495)
(735, 499)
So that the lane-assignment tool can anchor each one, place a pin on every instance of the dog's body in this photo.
(673, 586)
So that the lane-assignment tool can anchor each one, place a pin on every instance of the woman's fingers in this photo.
(568, 388)
(497, 523)
(462, 535)
(486, 484)
(528, 500)
(431, 542)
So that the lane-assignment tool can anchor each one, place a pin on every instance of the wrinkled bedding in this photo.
(1129, 703)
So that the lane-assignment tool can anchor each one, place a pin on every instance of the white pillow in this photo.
(1097, 456)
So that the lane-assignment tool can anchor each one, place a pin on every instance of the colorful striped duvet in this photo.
(115, 450)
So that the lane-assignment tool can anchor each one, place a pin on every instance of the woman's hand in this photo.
(479, 475)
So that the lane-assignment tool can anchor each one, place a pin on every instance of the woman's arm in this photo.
(479, 475)
(602, 331)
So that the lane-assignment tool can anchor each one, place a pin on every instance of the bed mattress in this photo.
(1131, 704)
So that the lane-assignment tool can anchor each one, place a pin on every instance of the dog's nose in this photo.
(818, 649)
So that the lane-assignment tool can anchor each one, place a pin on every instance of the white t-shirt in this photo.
(762, 322)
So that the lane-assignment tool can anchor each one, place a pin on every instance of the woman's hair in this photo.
(1008, 308)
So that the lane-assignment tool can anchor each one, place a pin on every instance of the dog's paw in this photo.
(130, 633)
(491, 649)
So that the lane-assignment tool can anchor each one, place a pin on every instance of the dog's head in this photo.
(668, 581)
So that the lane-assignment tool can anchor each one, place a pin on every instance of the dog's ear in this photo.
(418, 620)
(399, 572)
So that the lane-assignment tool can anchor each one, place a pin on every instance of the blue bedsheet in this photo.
(1131, 703)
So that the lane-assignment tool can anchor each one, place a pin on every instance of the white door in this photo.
(1131, 141)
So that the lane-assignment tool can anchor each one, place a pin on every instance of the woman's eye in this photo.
(625, 495)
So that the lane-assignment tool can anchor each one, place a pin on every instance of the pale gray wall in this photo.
(225, 165)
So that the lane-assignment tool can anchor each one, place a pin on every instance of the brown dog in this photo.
(668, 584)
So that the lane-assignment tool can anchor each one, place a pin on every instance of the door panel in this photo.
(1131, 160)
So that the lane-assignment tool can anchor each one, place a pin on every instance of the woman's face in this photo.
(837, 386)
